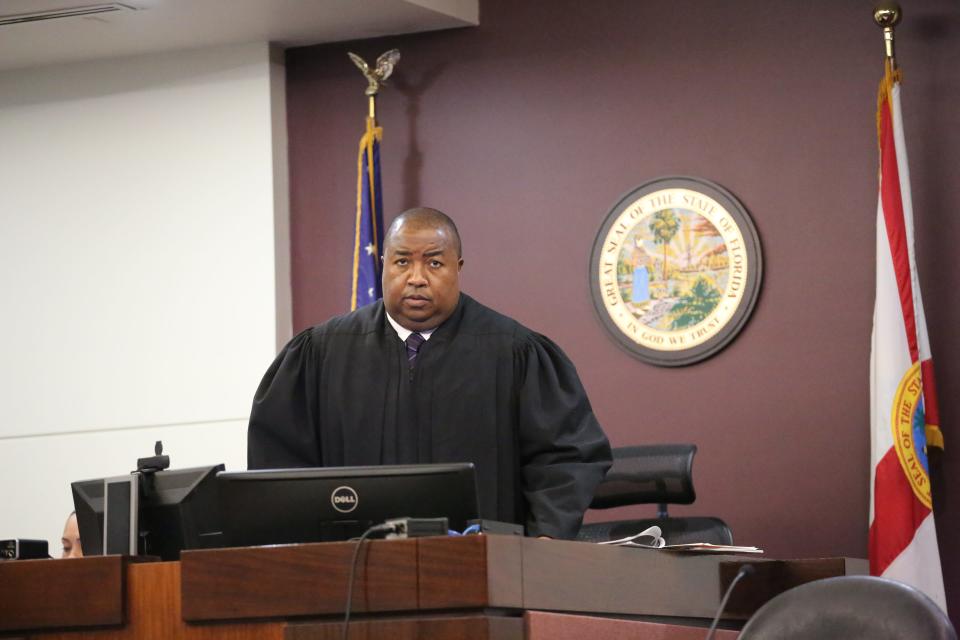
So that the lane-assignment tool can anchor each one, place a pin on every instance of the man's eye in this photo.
(401, 261)
(436, 263)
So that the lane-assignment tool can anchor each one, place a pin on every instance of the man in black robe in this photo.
(429, 375)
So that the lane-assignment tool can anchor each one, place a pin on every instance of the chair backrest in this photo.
(648, 474)
(850, 608)
(658, 474)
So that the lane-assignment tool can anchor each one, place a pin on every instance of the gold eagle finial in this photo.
(377, 76)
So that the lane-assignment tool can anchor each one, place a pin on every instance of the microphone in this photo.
(745, 571)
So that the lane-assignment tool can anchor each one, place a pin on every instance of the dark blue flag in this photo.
(369, 232)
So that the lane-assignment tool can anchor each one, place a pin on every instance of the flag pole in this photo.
(368, 233)
(887, 15)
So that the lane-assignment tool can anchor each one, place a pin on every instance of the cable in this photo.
(379, 528)
(745, 570)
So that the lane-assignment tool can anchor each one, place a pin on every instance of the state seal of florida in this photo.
(675, 270)
(908, 421)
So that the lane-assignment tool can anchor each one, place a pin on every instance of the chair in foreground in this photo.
(658, 474)
(850, 608)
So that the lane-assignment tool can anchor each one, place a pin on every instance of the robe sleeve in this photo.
(283, 430)
(564, 453)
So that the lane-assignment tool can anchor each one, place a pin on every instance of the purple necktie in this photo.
(414, 341)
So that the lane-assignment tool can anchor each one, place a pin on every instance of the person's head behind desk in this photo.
(422, 258)
(71, 538)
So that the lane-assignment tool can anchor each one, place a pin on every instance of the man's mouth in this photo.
(416, 301)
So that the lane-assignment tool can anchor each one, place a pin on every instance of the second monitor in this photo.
(164, 512)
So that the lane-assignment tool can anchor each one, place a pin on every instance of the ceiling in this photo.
(131, 27)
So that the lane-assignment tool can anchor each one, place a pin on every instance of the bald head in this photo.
(421, 218)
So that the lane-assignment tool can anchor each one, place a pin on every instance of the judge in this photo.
(429, 375)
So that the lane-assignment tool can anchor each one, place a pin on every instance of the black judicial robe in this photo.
(485, 390)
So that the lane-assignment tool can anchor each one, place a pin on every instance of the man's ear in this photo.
(460, 265)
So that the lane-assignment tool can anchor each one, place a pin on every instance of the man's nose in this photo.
(418, 275)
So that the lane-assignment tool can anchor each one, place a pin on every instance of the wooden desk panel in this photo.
(541, 625)
(153, 613)
(533, 625)
(478, 587)
(470, 572)
(580, 577)
(392, 575)
(463, 627)
(772, 577)
(481, 572)
(298, 580)
(577, 577)
(49, 594)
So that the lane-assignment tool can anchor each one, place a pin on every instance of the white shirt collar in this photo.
(405, 333)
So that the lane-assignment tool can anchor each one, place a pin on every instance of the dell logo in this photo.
(344, 499)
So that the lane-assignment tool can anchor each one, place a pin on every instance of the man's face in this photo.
(421, 276)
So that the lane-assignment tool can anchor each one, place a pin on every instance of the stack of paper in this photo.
(652, 538)
(706, 547)
(648, 538)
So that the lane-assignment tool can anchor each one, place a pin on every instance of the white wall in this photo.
(143, 267)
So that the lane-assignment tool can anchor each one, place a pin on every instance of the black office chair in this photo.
(658, 474)
(850, 608)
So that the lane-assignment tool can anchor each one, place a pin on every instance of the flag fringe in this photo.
(934, 436)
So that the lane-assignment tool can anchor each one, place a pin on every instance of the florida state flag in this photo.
(903, 411)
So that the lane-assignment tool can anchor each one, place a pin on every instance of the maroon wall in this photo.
(527, 130)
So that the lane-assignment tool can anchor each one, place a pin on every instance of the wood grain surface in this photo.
(297, 580)
(481, 587)
(465, 627)
(49, 594)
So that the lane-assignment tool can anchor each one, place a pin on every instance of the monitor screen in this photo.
(178, 509)
(338, 503)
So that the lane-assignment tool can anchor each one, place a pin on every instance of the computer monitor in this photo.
(285, 506)
(121, 515)
(88, 503)
(178, 509)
